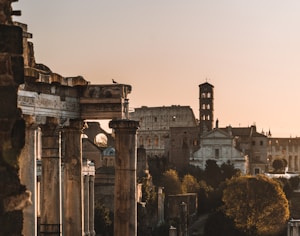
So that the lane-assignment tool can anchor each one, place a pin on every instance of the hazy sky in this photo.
(249, 51)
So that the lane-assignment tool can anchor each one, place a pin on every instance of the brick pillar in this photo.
(125, 204)
(27, 174)
(73, 203)
(51, 178)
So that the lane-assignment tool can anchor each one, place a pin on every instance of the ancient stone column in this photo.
(27, 174)
(160, 206)
(125, 204)
(92, 205)
(183, 219)
(73, 199)
(51, 177)
(86, 207)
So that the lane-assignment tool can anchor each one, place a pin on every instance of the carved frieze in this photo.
(48, 105)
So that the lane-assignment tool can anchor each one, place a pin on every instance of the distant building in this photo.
(253, 144)
(286, 148)
(155, 127)
(220, 146)
(206, 107)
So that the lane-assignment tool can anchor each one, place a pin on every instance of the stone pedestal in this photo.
(125, 204)
(51, 178)
(73, 199)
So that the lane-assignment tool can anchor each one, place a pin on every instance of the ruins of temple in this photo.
(48, 186)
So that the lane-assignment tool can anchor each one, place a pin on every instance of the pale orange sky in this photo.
(249, 51)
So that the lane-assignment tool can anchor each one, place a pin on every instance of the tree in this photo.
(256, 204)
(171, 182)
(225, 225)
(212, 173)
(190, 184)
(279, 165)
(103, 220)
(228, 170)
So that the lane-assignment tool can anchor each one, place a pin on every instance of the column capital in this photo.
(76, 124)
(124, 124)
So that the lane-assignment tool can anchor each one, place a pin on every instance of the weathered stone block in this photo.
(11, 39)
(17, 63)
(8, 102)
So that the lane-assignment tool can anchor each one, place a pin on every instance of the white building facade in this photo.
(219, 146)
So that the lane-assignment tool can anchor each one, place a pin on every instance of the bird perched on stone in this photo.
(114, 82)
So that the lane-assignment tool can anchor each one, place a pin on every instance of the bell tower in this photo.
(206, 107)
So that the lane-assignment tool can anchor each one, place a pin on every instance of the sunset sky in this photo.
(249, 51)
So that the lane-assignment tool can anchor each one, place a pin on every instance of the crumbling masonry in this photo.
(43, 179)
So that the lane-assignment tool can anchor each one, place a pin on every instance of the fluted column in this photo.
(92, 205)
(27, 174)
(125, 204)
(51, 177)
(86, 205)
(73, 199)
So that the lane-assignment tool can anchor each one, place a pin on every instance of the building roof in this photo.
(206, 83)
(244, 131)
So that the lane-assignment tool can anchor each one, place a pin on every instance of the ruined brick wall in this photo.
(13, 196)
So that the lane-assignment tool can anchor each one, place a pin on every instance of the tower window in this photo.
(203, 106)
(203, 95)
(208, 117)
(208, 106)
(208, 95)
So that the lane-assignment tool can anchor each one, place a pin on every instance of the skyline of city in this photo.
(249, 51)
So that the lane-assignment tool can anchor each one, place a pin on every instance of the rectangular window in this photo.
(217, 153)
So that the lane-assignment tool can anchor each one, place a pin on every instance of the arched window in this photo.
(141, 141)
(208, 117)
(203, 106)
(208, 95)
(203, 95)
(208, 106)
(148, 141)
(156, 141)
(203, 117)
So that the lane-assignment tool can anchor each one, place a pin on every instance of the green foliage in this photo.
(103, 220)
(279, 165)
(157, 167)
(294, 181)
(204, 195)
(286, 186)
(228, 171)
(171, 182)
(161, 230)
(190, 184)
(212, 173)
(225, 226)
(149, 196)
(256, 204)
